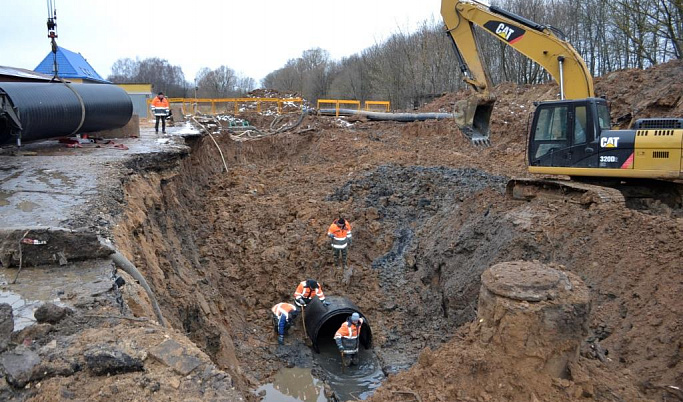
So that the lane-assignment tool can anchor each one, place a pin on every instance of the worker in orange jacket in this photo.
(347, 338)
(307, 290)
(283, 316)
(340, 235)
(161, 109)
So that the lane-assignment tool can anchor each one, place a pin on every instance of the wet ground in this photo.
(219, 248)
(351, 383)
(47, 184)
(27, 290)
(292, 385)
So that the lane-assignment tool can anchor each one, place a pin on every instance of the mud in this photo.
(219, 248)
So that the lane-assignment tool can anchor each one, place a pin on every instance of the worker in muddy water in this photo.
(283, 316)
(161, 109)
(307, 290)
(347, 339)
(340, 235)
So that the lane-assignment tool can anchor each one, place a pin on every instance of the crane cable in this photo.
(52, 34)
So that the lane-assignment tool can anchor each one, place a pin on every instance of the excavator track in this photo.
(565, 190)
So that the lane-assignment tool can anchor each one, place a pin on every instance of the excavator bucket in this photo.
(473, 115)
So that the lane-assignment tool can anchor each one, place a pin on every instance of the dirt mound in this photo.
(272, 93)
(635, 93)
(628, 288)
(632, 94)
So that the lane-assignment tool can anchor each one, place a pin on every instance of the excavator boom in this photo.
(537, 42)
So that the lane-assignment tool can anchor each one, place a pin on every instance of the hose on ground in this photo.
(118, 258)
(225, 165)
(246, 133)
(126, 266)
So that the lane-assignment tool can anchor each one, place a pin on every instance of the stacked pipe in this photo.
(32, 111)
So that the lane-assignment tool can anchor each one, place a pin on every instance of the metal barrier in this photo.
(386, 104)
(338, 102)
(191, 105)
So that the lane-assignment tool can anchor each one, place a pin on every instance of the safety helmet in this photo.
(355, 317)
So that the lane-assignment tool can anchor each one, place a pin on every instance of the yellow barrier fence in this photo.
(356, 103)
(337, 102)
(386, 104)
(191, 105)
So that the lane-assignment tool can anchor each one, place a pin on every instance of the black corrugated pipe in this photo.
(404, 117)
(324, 320)
(46, 110)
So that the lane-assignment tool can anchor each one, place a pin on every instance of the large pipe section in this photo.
(32, 111)
(380, 116)
(324, 320)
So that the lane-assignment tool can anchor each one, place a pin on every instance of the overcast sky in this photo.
(253, 37)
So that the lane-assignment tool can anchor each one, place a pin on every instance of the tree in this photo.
(163, 76)
(218, 83)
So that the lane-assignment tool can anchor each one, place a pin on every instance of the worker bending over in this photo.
(347, 338)
(340, 233)
(283, 316)
(307, 290)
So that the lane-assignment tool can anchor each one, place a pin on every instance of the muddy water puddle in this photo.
(351, 383)
(36, 286)
(294, 384)
(357, 382)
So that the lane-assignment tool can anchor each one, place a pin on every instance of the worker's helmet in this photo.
(355, 317)
(310, 283)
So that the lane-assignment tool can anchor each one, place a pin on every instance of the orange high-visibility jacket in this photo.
(349, 332)
(340, 235)
(307, 293)
(283, 308)
(160, 107)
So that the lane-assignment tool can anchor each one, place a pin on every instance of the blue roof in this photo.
(69, 65)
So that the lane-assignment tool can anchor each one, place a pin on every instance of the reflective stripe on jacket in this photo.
(340, 235)
(283, 308)
(348, 334)
(160, 106)
(307, 293)
(281, 312)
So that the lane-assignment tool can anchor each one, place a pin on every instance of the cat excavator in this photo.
(572, 135)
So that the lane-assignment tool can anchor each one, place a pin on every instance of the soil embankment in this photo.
(429, 216)
(429, 213)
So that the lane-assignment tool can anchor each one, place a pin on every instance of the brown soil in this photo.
(430, 215)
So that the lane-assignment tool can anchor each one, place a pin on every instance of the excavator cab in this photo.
(566, 133)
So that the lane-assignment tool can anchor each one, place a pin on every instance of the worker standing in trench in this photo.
(347, 338)
(341, 236)
(283, 315)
